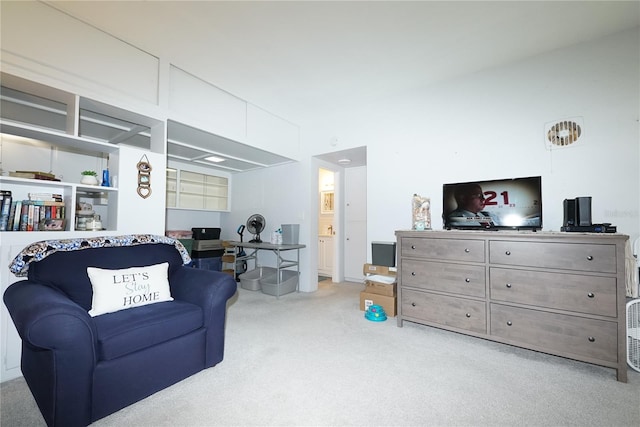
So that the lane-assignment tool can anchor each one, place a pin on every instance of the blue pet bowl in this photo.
(375, 313)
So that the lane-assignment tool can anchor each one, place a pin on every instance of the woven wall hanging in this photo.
(144, 177)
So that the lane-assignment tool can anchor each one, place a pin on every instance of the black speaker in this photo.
(583, 210)
(569, 206)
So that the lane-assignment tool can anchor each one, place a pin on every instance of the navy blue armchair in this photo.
(81, 368)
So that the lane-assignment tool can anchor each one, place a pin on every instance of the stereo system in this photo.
(577, 217)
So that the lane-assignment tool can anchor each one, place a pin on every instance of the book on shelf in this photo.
(52, 211)
(5, 209)
(34, 175)
(48, 174)
(36, 218)
(32, 215)
(17, 216)
(31, 210)
(24, 216)
(12, 215)
(46, 197)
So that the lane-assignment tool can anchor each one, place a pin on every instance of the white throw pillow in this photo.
(115, 290)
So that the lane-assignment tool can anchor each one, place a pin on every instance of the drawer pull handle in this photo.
(590, 295)
(467, 280)
(508, 253)
(509, 323)
(413, 304)
(467, 250)
(592, 339)
(508, 285)
(468, 314)
(590, 258)
(413, 246)
(413, 273)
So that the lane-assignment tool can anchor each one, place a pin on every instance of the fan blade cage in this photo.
(255, 224)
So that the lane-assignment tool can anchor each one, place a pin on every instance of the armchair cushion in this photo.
(115, 290)
(131, 330)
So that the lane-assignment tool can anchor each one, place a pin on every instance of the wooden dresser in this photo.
(558, 293)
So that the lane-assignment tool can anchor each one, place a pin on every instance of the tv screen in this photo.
(503, 203)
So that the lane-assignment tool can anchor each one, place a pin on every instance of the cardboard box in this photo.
(382, 270)
(379, 288)
(380, 279)
(387, 302)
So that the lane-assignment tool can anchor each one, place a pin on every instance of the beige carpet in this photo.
(313, 360)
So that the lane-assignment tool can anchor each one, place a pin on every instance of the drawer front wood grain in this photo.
(573, 292)
(565, 256)
(460, 279)
(445, 310)
(444, 249)
(556, 333)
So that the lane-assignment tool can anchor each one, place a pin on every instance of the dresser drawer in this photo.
(445, 310)
(445, 249)
(566, 256)
(446, 277)
(556, 333)
(573, 292)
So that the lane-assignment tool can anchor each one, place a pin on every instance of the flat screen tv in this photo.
(514, 203)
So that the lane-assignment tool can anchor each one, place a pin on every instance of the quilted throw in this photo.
(40, 250)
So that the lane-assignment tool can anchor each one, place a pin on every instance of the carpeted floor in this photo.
(311, 359)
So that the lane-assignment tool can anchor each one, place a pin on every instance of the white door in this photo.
(355, 233)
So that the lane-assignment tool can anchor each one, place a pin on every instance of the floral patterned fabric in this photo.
(39, 250)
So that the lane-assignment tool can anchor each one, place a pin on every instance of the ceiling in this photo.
(303, 60)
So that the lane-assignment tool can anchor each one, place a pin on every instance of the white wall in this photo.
(282, 195)
(491, 125)
(136, 214)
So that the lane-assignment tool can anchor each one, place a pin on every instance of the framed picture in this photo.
(326, 202)
(54, 225)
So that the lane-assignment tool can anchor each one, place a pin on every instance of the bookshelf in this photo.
(72, 194)
(47, 129)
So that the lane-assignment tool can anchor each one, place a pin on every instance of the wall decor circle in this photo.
(563, 133)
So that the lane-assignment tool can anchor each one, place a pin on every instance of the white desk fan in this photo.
(255, 225)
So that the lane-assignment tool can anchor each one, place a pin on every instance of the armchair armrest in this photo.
(58, 350)
(210, 290)
(45, 318)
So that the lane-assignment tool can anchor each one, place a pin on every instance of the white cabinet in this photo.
(198, 191)
(325, 255)
(206, 106)
(44, 129)
(355, 230)
(272, 133)
(77, 52)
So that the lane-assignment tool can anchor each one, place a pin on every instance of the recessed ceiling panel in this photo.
(191, 143)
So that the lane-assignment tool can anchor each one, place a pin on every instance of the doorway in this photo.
(326, 223)
(347, 236)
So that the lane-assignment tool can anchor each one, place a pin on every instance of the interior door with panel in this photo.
(355, 235)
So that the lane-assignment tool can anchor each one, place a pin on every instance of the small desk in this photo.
(281, 263)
